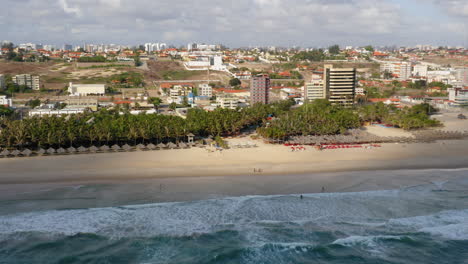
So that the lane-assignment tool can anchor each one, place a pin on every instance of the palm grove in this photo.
(274, 121)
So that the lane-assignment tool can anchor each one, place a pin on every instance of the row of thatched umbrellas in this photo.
(94, 149)
(359, 136)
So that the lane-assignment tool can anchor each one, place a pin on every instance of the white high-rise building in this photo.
(152, 47)
(462, 75)
(401, 69)
(420, 70)
(315, 89)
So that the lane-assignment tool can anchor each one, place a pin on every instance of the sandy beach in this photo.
(191, 174)
(265, 159)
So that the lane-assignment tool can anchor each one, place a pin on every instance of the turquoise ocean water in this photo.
(421, 224)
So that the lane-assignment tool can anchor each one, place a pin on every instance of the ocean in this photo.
(427, 223)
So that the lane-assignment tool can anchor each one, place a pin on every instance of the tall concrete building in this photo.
(28, 80)
(315, 89)
(260, 89)
(340, 85)
(462, 75)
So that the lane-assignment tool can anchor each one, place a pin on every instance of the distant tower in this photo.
(260, 89)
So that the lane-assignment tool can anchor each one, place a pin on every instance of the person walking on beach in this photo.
(302, 197)
(323, 189)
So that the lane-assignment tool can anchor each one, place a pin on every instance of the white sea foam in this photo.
(369, 241)
(254, 213)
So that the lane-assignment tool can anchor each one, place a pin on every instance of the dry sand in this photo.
(271, 159)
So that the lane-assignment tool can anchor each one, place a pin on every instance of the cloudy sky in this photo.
(308, 23)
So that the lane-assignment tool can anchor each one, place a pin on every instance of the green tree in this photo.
(334, 50)
(369, 48)
(34, 103)
(156, 101)
(235, 82)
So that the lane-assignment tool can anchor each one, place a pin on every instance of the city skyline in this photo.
(237, 24)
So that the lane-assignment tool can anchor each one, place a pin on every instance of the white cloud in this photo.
(232, 22)
(68, 9)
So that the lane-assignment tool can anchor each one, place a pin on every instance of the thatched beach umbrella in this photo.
(41, 151)
(171, 145)
(161, 146)
(61, 151)
(104, 148)
(115, 147)
(26, 152)
(151, 146)
(126, 147)
(5, 153)
(82, 149)
(71, 150)
(51, 151)
(141, 147)
(93, 149)
(182, 145)
(15, 153)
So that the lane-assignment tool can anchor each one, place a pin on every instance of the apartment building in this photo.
(462, 75)
(28, 80)
(178, 91)
(458, 96)
(420, 70)
(315, 89)
(260, 89)
(400, 69)
(227, 101)
(340, 85)
(205, 90)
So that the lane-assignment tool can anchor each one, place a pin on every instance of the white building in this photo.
(151, 47)
(401, 69)
(86, 89)
(44, 112)
(217, 63)
(178, 92)
(205, 90)
(458, 96)
(462, 75)
(5, 101)
(227, 101)
(28, 80)
(420, 70)
(315, 89)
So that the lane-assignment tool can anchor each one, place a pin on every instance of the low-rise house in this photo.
(388, 101)
(44, 112)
